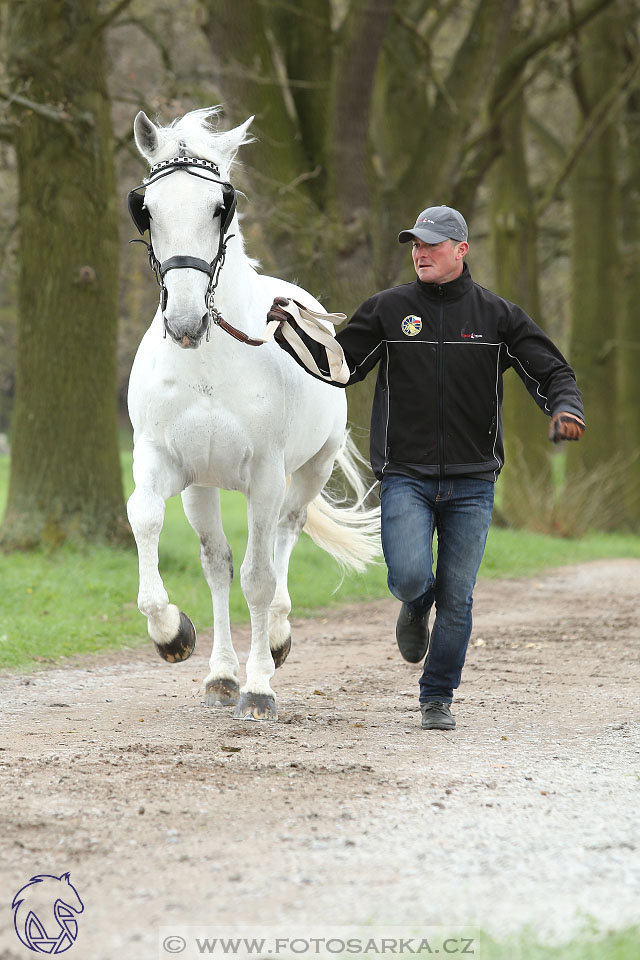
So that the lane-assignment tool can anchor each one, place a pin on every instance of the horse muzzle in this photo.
(187, 335)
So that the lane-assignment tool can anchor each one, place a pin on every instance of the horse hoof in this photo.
(281, 653)
(182, 645)
(224, 692)
(256, 706)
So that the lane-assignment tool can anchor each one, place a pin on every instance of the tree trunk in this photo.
(629, 330)
(287, 176)
(526, 478)
(65, 480)
(595, 256)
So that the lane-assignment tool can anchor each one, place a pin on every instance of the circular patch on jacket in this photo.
(411, 326)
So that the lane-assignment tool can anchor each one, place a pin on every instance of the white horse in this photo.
(210, 412)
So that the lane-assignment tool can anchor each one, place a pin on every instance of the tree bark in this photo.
(285, 173)
(65, 480)
(595, 255)
(433, 148)
(527, 472)
(629, 329)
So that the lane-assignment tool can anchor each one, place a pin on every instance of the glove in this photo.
(281, 316)
(565, 426)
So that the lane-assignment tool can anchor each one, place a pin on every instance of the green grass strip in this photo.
(614, 945)
(80, 601)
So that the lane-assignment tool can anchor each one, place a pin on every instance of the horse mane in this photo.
(201, 136)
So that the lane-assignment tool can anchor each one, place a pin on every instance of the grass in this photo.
(591, 944)
(71, 601)
(614, 945)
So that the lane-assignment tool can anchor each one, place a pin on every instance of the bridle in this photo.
(142, 219)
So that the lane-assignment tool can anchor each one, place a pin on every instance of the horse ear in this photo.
(145, 134)
(230, 140)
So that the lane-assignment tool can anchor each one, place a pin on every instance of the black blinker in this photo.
(229, 201)
(138, 211)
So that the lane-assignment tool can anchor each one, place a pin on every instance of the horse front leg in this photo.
(171, 630)
(202, 508)
(258, 580)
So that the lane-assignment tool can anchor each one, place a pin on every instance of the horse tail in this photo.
(350, 533)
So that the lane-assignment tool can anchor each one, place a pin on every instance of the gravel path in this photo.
(169, 813)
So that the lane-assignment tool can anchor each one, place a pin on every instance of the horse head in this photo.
(188, 208)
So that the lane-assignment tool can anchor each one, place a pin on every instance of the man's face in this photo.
(438, 262)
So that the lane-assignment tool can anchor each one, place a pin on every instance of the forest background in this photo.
(523, 114)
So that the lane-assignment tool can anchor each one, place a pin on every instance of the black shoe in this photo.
(412, 634)
(437, 716)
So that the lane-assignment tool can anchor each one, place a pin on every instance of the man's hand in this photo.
(277, 313)
(565, 426)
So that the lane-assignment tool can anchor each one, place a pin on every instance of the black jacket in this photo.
(442, 350)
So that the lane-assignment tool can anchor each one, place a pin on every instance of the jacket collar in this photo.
(452, 290)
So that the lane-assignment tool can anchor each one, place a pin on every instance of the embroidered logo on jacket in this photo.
(411, 325)
(471, 336)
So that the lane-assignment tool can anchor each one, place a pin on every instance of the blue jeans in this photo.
(459, 510)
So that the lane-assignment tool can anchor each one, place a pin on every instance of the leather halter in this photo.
(141, 218)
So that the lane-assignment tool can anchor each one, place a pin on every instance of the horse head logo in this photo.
(44, 914)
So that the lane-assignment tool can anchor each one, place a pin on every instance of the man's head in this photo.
(439, 244)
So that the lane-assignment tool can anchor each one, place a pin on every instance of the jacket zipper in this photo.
(441, 385)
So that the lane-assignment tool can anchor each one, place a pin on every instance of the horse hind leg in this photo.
(258, 580)
(306, 483)
(202, 508)
(290, 524)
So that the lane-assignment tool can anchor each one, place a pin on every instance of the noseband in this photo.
(141, 218)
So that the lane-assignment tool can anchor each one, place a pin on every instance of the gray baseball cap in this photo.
(436, 224)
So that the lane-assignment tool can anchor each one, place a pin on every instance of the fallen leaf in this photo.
(227, 749)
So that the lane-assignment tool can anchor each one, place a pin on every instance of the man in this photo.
(442, 344)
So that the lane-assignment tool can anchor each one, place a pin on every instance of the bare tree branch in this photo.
(538, 42)
(280, 71)
(600, 116)
(44, 110)
(509, 84)
(110, 16)
(293, 9)
(424, 46)
(547, 139)
(489, 130)
(306, 175)
(144, 27)
(576, 73)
